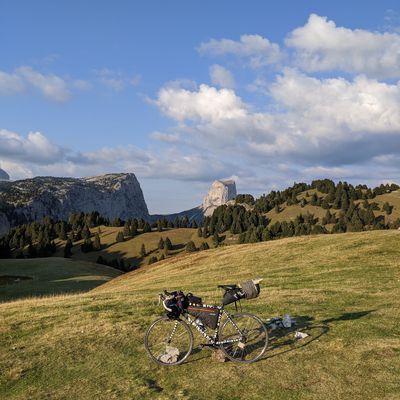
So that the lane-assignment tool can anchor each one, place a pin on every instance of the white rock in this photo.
(219, 193)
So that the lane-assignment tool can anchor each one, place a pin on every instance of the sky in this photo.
(182, 93)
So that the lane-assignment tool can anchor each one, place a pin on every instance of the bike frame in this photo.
(214, 338)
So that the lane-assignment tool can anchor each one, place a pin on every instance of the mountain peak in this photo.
(219, 193)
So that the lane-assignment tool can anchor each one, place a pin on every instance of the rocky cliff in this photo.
(112, 195)
(219, 193)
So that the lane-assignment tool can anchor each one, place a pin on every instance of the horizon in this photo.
(266, 95)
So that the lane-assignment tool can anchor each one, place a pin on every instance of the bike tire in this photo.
(168, 323)
(242, 320)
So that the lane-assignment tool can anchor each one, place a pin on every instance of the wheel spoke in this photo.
(251, 335)
(172, 338)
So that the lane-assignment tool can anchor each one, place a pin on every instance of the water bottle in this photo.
(200, 324)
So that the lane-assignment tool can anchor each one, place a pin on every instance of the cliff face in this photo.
(219, 193)
(112, 195)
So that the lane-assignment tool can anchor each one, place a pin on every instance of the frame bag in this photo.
(207, 315)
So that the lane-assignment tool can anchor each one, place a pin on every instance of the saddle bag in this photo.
(232, 296)
(207, 315)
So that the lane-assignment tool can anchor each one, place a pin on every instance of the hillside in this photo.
(290, 212)
(50, 276)
(129, 249)
(343, 288)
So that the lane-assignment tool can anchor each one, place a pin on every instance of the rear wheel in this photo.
(168, 341)
(250, 338)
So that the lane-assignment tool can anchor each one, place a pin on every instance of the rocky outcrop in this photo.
(112, 195)
(219, 193)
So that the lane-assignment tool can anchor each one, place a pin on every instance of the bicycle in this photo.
(242, 337)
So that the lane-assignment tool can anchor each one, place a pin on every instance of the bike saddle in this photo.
(228, 287)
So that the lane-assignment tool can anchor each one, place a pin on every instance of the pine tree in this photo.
(67, 249)
(86, 246)
(127, 230)
(314, 199)
(204, 246)
(199, 232)
(168, 243)
(85, 232)
(146, 227)
(120, 237)
(152, 260)
(161, 243)
(97, 243)
(325, 203)
(143, 251)
(190, 247)
(216, 239)
(62, 234)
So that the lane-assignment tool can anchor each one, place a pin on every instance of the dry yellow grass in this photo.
(129, 250)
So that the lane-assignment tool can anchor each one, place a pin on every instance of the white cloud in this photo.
(165, 137)
(51, 86)
(221, 76)
(10, 83)
(322, 46)
(258, 50)
(207, 104)
(116, 80)
(35, 148)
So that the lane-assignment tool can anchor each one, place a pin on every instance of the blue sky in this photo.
(182, 93)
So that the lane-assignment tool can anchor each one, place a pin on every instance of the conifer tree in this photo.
(161, 243)
(204, 246)
(67, 249)
(97, 243)
(168, 243)
(85, 232)
(127, 230)
(119, 237)
(143, 251)
(216, 239)
(190, 247)
(199, 232)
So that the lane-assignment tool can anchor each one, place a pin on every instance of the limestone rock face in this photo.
(219, 193)
(112, 195)
(4, 176)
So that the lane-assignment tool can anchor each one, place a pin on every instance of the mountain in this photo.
(219, 193)
(112, 195)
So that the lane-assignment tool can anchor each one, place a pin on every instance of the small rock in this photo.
(218, 355)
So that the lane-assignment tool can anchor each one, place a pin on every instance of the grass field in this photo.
(344, 289)
(50, 276)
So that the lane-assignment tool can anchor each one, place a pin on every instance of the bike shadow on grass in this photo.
(284, 341)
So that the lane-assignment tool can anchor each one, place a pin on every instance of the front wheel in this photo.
(168, 341)
(245, 336)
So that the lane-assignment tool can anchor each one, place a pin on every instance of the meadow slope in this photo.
(344, 289)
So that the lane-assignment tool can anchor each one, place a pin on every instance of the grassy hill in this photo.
(343, 289)
(129, 250)
(50, 276)
(290, 212)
